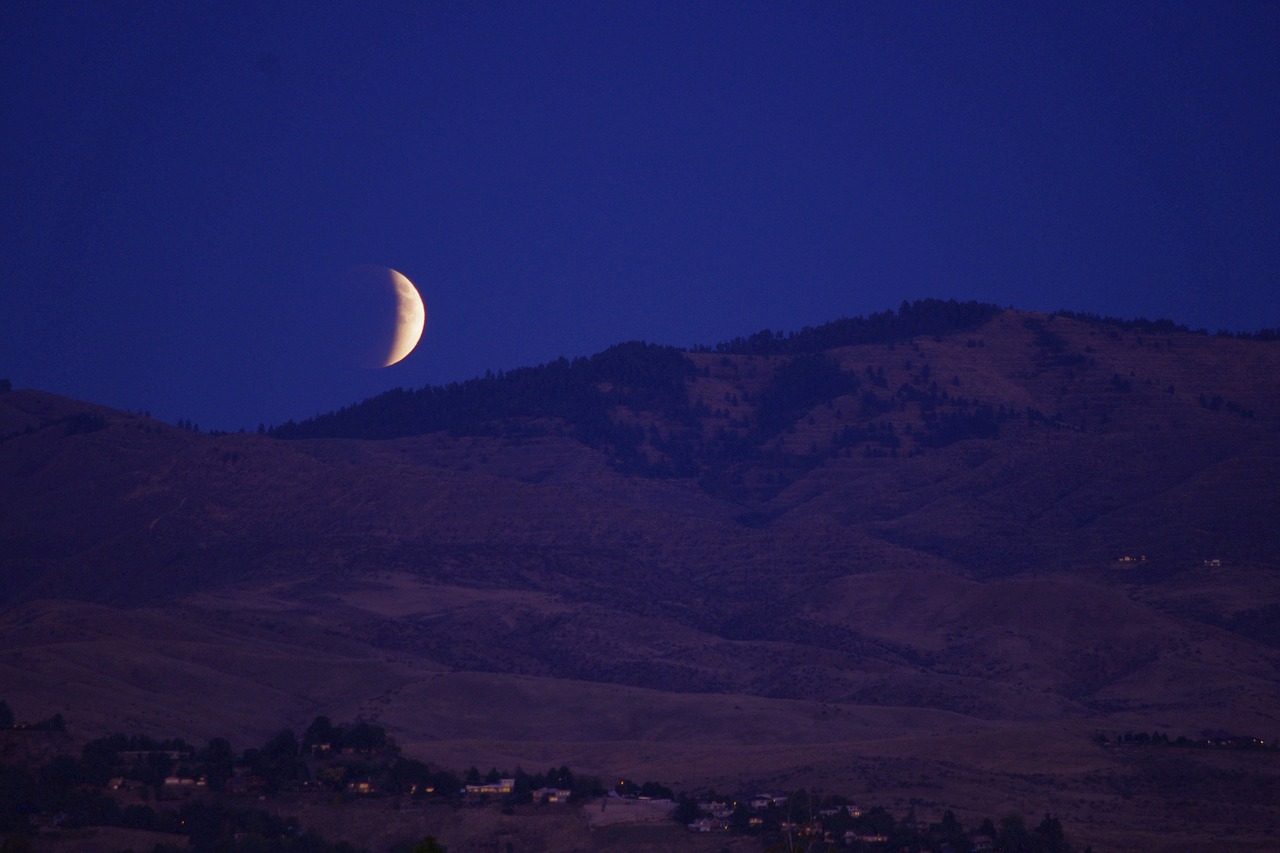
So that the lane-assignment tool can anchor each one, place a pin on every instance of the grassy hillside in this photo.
(935, 563)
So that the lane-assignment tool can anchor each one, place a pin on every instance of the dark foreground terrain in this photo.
(922, 564)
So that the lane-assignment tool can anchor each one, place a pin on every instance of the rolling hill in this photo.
(924, 556)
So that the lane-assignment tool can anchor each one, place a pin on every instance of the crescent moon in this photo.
(411, 318)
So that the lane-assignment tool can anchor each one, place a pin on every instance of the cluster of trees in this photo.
(802, 822)
(585, 393)
(327, 755)
(882, 434)
(949, 427)
(807, 381)
(1163, 327)
(1207, 740)
(210, 825)
(146, 761)
(334, 756)
(356, 751)
(1215, 403)
(74, 789)
(581, 391)
(561, 778)
(52, 724)
(646, 790)
(798, 385)
(741, 457)
(323, 736)
(1053, 350)
(922, 317)
(80, 423)
(1136, 324)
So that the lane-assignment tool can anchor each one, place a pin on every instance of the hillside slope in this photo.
(1028, 524)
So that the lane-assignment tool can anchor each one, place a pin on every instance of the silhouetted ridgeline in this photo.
(582, 391)
(585, 395)
(642, 406)
(640, 376)
(1142, 324)
(923, 317)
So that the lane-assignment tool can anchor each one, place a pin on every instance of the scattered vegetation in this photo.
(184, 793)
(799, 385)
(1163, 327)
(71, 792)
(1216, 403)
(803, 821)
(1205, 740)
(52, 724)
(84, 422)
(80, 423)
(582, 392)
(632, 402)
(912, 319)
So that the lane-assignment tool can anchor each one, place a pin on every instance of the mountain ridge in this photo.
(1106, 559)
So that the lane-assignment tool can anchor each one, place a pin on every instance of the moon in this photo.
(375, 318)
(411, 318)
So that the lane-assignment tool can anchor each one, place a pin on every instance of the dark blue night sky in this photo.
(182, 180)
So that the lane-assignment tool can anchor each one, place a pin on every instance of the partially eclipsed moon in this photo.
(374, 318)
(411, 318)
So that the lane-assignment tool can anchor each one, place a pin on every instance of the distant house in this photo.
(183, 786)
(716, 808)
(144, 754)
(709, 824)
(364, 786)
(551, 795)
(502, 787)
(182, 781)
(850, 837)
(763, 801)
